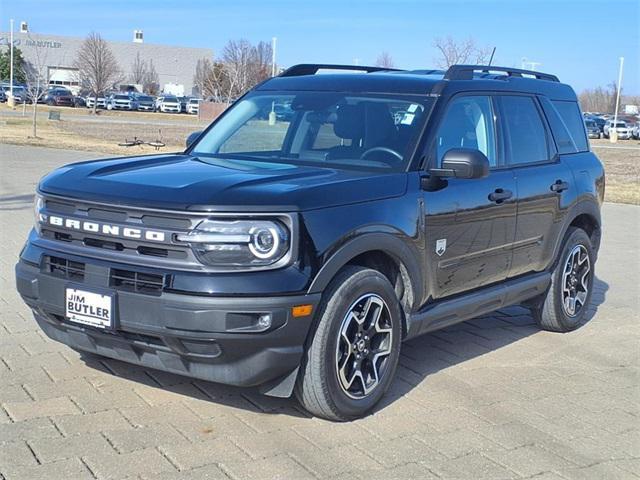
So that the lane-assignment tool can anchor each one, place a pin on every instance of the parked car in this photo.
(19, 92)
(623, 130)
(599, 121)
(121, 101)
(193, 106)
(79, 101)
(635, 133)
(91, 101)
(298, 259)
(593, 131)
(183, 103)
(145, 103)
(168, 104)
(59, 97)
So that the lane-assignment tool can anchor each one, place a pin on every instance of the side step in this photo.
(451, 311)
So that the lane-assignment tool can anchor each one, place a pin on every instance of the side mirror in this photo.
(463, 163)
(192, 138)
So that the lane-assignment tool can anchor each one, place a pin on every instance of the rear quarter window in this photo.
(570, 114)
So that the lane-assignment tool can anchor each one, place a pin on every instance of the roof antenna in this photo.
(492, 54)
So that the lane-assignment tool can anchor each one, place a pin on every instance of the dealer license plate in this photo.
(89, 308)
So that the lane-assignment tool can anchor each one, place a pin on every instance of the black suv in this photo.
(295, 253)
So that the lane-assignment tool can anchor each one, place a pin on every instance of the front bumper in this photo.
(193, 335)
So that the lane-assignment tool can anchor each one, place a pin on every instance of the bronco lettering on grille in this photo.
(104, 228)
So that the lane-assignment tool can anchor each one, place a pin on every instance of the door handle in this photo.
(559, 186)
(500, 195)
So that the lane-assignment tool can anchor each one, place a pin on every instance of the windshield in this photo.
(333, 129)
(591, 124)
(144, 99)
(169, 99)
(122, 97)
(621, 125)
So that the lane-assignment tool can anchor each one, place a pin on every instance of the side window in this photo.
(468, 123)
(563, 139)
(570, 114)
(525, 135)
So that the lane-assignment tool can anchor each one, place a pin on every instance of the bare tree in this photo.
(151, 81)
(138, 70)
(214, 81)
(385, 60)
(460, 52)
(36, 75)
(599, 99)
(97, 66)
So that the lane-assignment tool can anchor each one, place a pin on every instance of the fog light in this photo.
(264, 321)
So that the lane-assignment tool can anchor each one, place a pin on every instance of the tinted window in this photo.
(570, 114)
(467, 123)
(525, 134)
(330, 129)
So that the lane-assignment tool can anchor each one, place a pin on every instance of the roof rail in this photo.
(312, 69)
(465, 72)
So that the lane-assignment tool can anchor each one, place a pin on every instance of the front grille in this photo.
(137, 282)
(138, 251)
(61, 267)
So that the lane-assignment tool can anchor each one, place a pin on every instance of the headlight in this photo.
(239, 243)
(38, 204)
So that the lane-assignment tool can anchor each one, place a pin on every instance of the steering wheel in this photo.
(382, 149)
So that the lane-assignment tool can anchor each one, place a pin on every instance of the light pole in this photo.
(614, 138)
(11, 63)
(273, 56)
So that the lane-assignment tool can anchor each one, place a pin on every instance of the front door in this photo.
(470, 223)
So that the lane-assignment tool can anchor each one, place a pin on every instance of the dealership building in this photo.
(175, 65)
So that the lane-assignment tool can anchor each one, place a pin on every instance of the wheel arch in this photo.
(586, 216)
(385, 253)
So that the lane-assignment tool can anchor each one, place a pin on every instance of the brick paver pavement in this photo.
(490, 398)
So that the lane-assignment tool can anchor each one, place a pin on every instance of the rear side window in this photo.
(570, 114)
(525, 134)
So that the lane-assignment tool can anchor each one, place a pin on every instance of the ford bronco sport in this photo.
(296, 252)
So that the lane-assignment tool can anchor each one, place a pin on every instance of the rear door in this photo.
(543, 182)
(470, 223)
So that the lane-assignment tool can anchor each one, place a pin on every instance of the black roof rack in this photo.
(312, 69)
(465, 72)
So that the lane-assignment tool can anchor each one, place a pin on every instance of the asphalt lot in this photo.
(490, 398)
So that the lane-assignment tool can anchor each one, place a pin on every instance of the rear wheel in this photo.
(351, 358)
(564, 305)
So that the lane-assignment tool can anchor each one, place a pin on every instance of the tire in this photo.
(320, 387)
(552, 312)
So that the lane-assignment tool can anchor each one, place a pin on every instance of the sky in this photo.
(580, 41)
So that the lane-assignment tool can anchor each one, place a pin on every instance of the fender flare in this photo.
(584, 207)
(387, 243)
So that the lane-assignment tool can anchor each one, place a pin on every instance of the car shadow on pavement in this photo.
(419, 358)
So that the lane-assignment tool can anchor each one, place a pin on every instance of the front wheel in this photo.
(564, 306)
(352, 356)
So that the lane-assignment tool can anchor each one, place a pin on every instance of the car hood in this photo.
(185, 182)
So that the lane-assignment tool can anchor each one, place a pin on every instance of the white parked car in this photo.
(636, 131)
(193, 105)
(624, 131)
(121, 101)
(168, 104)
(91, 100)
